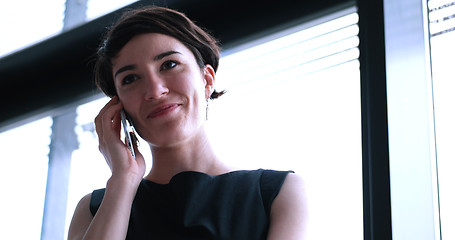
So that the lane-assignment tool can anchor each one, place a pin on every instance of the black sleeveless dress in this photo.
(194, 205)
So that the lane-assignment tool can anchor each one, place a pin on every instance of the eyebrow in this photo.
(165, 54)
(123, 69)
(156, 58)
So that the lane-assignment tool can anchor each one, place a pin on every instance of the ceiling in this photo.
(57, 72)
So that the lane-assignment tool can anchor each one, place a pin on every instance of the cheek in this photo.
(199, 95)
(194, 95)
(126, 100)
(130, 103)
(192, 87)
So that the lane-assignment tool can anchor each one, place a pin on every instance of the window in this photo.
(292, 103)
(442, 36)
(23, 176)
(16, 29)
(419, 110)
(25, 149)
(97, 8)
(18, 32)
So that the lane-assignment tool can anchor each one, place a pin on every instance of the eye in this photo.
(129, 79)
(168, 65)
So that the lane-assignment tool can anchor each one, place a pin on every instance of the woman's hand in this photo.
(111, 220)
(122, 164)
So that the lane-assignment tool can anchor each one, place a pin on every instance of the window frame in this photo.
(375, 139)
(388, 35)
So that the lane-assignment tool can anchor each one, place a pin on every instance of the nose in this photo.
(156, 88)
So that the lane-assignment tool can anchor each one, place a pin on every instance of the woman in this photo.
(160, 68)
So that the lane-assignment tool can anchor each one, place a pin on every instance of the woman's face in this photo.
(162, 88)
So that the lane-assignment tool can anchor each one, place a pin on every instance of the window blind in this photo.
(441, 15)
(303, 52)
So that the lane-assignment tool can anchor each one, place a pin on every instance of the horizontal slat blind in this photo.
(441, 16)
(293, 56)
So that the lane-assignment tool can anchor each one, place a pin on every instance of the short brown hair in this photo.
(153, 20)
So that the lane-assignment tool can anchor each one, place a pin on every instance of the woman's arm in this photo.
(81, 219)
(289, 212)
(112, 218)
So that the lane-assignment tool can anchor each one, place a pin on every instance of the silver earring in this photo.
(207, 110)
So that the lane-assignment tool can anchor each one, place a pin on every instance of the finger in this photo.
(98, 118)
(108, 125)
(116, 120)
(110, 120)
(139, 157)
(114, 100)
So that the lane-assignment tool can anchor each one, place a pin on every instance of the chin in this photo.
(172, 133)
(167, 139)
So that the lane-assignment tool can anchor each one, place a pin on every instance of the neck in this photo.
(195, 154)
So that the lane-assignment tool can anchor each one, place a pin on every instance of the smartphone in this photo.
(127, 130)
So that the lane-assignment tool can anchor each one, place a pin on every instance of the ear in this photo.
(209, 80)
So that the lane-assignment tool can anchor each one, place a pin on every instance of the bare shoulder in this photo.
(293, 181)
(81, 219)
(289, 210)
(292, 193)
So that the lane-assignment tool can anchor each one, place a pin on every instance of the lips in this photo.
(163, 110)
